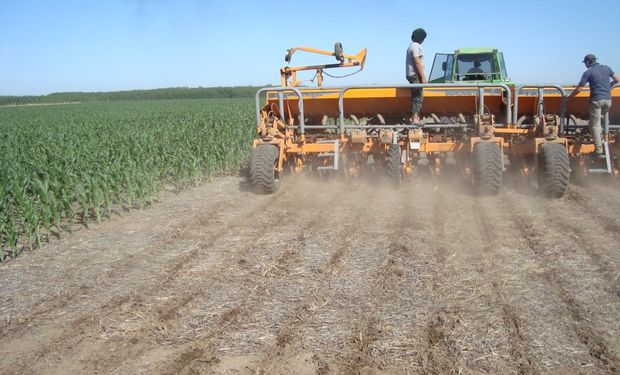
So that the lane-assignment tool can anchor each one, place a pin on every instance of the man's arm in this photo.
(575, 91)
(580, 85)
(419, 67)
(616, 79)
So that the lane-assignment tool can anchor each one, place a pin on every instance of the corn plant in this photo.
(62, 166)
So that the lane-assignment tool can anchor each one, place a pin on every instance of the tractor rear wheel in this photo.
(263, 174)
(554, 170)
(487, 168)
(394, 168)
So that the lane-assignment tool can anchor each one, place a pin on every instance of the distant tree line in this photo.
(165, 93)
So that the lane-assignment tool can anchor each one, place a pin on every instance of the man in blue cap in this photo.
(598, 77)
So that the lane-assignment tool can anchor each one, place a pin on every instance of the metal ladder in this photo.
(607, 160)
(334, 155)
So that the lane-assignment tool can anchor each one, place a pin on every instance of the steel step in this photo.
(607, 161)
(334, 155)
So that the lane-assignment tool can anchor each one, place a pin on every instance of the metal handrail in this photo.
(480, 86)
(541, 88)
(280, 90)
(607, 125)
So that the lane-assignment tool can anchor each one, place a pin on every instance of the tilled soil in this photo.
(324, 277)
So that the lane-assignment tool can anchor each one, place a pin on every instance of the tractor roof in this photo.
(467, 51)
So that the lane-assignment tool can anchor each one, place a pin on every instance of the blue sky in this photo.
(53, 46)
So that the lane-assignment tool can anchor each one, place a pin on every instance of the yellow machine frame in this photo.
(283, 123)
(345, 61)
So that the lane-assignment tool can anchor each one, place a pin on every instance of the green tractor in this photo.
(470, 65)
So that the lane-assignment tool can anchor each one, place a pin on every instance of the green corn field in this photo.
(62, 166)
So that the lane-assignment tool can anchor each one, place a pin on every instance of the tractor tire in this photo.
(394, 168)
(553, 170)
(263, 175)
(487, 168)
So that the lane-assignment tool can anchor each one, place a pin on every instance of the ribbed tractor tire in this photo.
(394, 168)
(554, 170)
(487, 168)
(263, 174)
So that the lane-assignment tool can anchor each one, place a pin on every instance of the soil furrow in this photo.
(603, 194)
(72, 267)
(121, 271)
(597, 346)
(360, 348)
(600, 250)
(376, 333)
(276, 273)
(440, 354)
(373, 336)
(88, 324)
(610, 222)
(489, 236)
(325, 277)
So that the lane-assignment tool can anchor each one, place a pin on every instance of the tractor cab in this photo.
(470, 65)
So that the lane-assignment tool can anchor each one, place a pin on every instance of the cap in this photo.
(589, 58)
(418, 35)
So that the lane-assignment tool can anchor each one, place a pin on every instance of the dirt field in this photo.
(326, 277)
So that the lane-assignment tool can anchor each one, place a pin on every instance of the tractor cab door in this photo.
(442, 68)
(502, 66)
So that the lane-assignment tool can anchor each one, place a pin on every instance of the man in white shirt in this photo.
(415, 71)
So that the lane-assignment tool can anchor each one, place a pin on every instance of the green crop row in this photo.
(66, 165)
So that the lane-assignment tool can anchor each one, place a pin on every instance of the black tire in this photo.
(338, 51)
(394, 168)
(487, 168)
(263, 174)
(554, 170)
